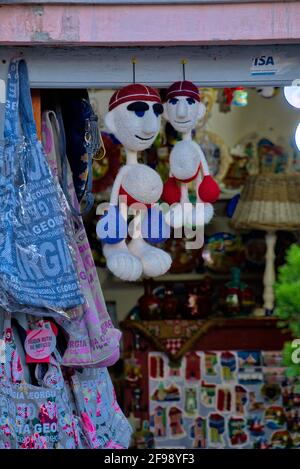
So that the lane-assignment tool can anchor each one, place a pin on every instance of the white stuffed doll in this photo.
(134, 118)
(187, 161)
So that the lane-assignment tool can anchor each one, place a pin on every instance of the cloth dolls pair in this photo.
(134, 117)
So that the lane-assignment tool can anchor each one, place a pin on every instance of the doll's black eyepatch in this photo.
(158, 109)
(138, 106)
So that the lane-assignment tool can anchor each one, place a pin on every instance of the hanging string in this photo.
(183, 62)
(133, 61)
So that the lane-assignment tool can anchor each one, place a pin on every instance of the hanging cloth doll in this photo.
(134, 118)
(183, 109)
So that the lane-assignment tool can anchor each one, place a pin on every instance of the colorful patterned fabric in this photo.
(33, 417)
(103, 422)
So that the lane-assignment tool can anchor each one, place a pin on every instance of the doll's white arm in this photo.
(204, 171)
(114, 196)
(204, 165)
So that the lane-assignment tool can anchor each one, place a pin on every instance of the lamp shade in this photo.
(269, 202)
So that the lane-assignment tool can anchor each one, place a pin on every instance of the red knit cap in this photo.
(134, 92)
(183, 88)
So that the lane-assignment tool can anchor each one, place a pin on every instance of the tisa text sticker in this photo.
(39, 344)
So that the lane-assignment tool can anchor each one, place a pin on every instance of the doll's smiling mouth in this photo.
(145, 139)
(182, 122)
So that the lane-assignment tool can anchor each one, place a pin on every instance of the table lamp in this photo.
(269, 202)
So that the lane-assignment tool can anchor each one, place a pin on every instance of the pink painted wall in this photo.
(151, 25)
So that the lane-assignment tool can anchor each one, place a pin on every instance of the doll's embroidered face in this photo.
(183, 112)
(135, 124)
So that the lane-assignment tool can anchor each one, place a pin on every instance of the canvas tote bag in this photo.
(34, 417)
(36, 264)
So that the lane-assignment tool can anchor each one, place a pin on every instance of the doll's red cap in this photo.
(183, 88)
(134, 92)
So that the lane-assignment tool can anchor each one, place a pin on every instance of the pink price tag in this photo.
(39, 345)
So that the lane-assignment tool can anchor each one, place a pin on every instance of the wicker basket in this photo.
(269, 202)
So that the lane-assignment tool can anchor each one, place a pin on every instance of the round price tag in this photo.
(40, 343)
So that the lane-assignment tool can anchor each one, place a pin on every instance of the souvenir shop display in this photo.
(269, 202)
(197, 362)
(258, 154)
(223, 251)
(150, 305)
(200, 299)
(134, 118)
(224, 398)
(216, 152)
(236, 297)
(183, 260)
(226, 410)
(228, 97)
(183, 109)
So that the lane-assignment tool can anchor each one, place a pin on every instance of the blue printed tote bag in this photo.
(34, 417)
(36, 262)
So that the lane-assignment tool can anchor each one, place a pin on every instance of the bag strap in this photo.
(91, 144)
(18, 103)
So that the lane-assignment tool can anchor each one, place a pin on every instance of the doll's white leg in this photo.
(121, 262)
(154, 260)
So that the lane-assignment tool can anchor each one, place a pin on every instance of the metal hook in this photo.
(133, 61)
(183, 62)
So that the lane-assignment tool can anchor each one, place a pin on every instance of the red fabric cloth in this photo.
(183, 88)
(133, 92)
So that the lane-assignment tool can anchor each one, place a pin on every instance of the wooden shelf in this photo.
(106, 277)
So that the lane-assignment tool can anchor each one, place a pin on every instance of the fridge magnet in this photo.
(208, 394)
(158, 421)
(132, 370)
(216, 424)
(261, 443)
(190, 401)
(241, 399)
(291, 395)
(275, 417)
(198, 433)
(296, 440)
(281, 440)
(210, 363)
(271, 392)
(272, 358)
(274, 375)
(293, 420)
(228, 366)
(224, 399)
(237, 433)
(249, 359)
(249, 371)
(256, 427)
(164, 394)
(176, 422)
(192, 366)
(175, 369)
(254, 405)
(156, 367)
